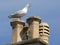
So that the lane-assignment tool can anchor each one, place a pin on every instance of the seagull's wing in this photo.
(17, 14)
(12, 16)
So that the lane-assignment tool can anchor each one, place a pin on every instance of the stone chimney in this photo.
(33, 23)
(44, 31)
(17, 26)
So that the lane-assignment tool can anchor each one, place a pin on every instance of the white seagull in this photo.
(20, 13)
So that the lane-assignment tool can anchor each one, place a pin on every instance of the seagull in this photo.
(20, 13)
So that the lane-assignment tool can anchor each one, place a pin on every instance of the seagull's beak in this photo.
(29, 5)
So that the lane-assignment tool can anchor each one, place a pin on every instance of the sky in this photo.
(47, 10)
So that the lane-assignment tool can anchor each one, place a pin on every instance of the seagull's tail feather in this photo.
(9, 16)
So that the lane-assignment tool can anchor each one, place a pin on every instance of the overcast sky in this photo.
(47, 10)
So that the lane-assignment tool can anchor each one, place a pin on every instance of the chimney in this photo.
(17, 26)
(44, 31)
(33, 31)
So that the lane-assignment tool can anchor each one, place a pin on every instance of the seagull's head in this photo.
(28, 5)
